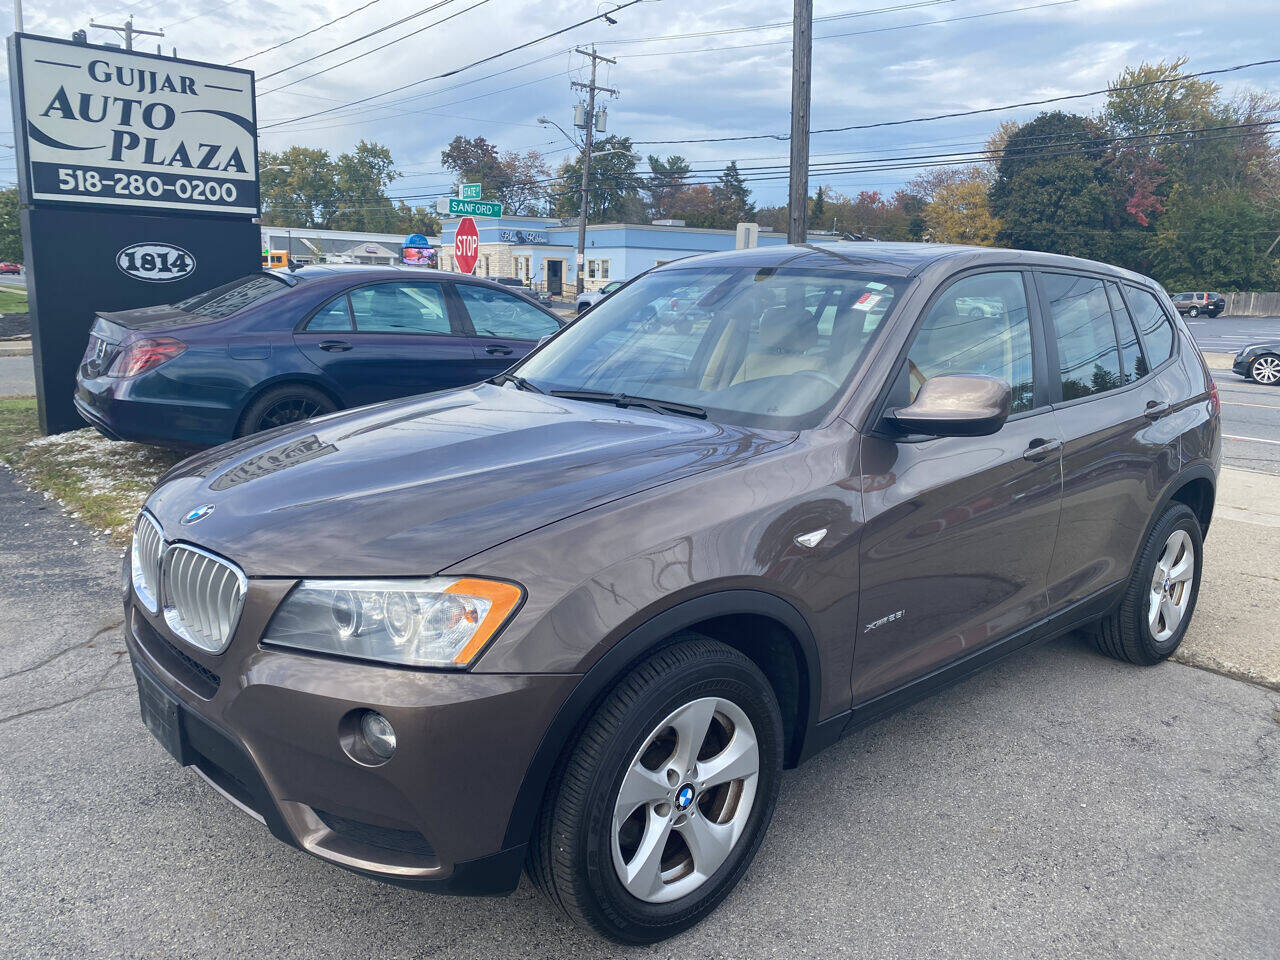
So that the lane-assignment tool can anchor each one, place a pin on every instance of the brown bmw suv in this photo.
(577, 619)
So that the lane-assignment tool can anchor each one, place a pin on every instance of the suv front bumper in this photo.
(262, 727)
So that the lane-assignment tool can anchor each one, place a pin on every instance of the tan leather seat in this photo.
(785, 334)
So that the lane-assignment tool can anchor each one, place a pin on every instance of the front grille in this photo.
(386, 838)
(195, 676)
(148, 545)
(202, 596)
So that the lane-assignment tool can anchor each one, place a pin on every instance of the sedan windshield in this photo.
(769, 348)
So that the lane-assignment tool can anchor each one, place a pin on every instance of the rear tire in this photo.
(591, 846)
(288, 403)
(1153, 615)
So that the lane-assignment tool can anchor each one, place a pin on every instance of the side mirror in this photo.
(956, 406)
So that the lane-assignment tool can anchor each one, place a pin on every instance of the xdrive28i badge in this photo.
(155, 262)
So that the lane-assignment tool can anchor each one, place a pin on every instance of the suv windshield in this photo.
(225, 300)
(769, 347)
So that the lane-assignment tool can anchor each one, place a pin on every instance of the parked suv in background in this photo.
(580, 617)
(1194, 304)
(279, 346)
(590, 298)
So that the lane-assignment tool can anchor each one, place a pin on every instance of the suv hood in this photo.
(414, 486)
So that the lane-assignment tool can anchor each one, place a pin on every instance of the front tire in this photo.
(1265, 369)
(659, 807)
(1158, 602)
(1193, 312)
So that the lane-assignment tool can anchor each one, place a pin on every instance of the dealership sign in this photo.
(155, 262)
(118, 128)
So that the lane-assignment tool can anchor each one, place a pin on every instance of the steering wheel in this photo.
(817, 375)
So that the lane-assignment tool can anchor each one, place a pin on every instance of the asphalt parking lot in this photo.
(1059, 805)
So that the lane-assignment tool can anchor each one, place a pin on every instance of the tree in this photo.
(10, 227)
(732, 198)
(817, 208)
(516, 180)
(613, 190)
(960, 212)
(1051, 190)
(1219, 241)
(667, 180)
(297, 187)
(361, 180)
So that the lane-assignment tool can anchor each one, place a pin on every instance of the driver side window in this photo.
(980, 325)
(495, 313)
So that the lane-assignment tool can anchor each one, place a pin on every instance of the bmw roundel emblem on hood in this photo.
(155, 262)
(199, 513)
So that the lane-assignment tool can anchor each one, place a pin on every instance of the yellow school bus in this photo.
(275, 259)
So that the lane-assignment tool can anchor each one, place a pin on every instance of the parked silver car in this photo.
(589, 298)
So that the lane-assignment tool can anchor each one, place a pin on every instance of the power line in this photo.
(855, 33)
(971, 113)
(315, 29)
(468, 66)
(372, 33)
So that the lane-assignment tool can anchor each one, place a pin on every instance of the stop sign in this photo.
(466, 245)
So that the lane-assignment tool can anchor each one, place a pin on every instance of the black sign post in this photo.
(138, 179)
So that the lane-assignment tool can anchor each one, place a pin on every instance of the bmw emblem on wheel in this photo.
(684, 797)
(198, 514)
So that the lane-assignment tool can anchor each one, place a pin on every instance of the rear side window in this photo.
(1088, 355)
(496, 313)
(1153, 324)
(333, 317)
(1132, 364)
(979, 325)
(400, 308)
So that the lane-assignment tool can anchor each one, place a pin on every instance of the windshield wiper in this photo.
(519, 381)
(626, 400)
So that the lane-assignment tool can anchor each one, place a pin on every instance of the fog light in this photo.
(378, 734)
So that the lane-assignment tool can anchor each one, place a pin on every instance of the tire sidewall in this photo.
(1193, 312)
(1178, 517)
(617, 908)
(253, 413)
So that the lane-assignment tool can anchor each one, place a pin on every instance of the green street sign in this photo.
(471, 191)
(453, 207)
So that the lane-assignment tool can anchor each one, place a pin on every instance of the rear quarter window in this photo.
(1153, 323)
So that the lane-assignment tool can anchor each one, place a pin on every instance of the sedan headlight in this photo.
(439, 622)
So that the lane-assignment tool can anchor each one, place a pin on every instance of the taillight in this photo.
(1214, 404)
(143, 355)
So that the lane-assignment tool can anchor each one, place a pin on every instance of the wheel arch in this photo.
(1195, 486)
(764, 627)
(284, 380)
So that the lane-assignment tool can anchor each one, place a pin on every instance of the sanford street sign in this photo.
(453, 207)
(117, 128)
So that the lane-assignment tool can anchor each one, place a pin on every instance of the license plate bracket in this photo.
(162, 715)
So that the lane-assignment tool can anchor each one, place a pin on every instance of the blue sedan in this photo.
(279, 346)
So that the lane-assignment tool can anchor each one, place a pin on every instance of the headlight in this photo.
(440, 622)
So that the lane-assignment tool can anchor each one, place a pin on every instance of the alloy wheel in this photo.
(685, 800)
(1266, 369)
(288, 410)
(1171, 586)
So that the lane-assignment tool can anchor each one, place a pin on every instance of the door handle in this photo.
(498, 350)
(1155, 409)
(1040, 448)
(334, 346)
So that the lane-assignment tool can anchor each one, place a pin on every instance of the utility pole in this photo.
(591, 89)
(128, 31)
(17, 16)
(801, 68)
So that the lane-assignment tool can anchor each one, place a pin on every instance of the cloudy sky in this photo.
(686, 69)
